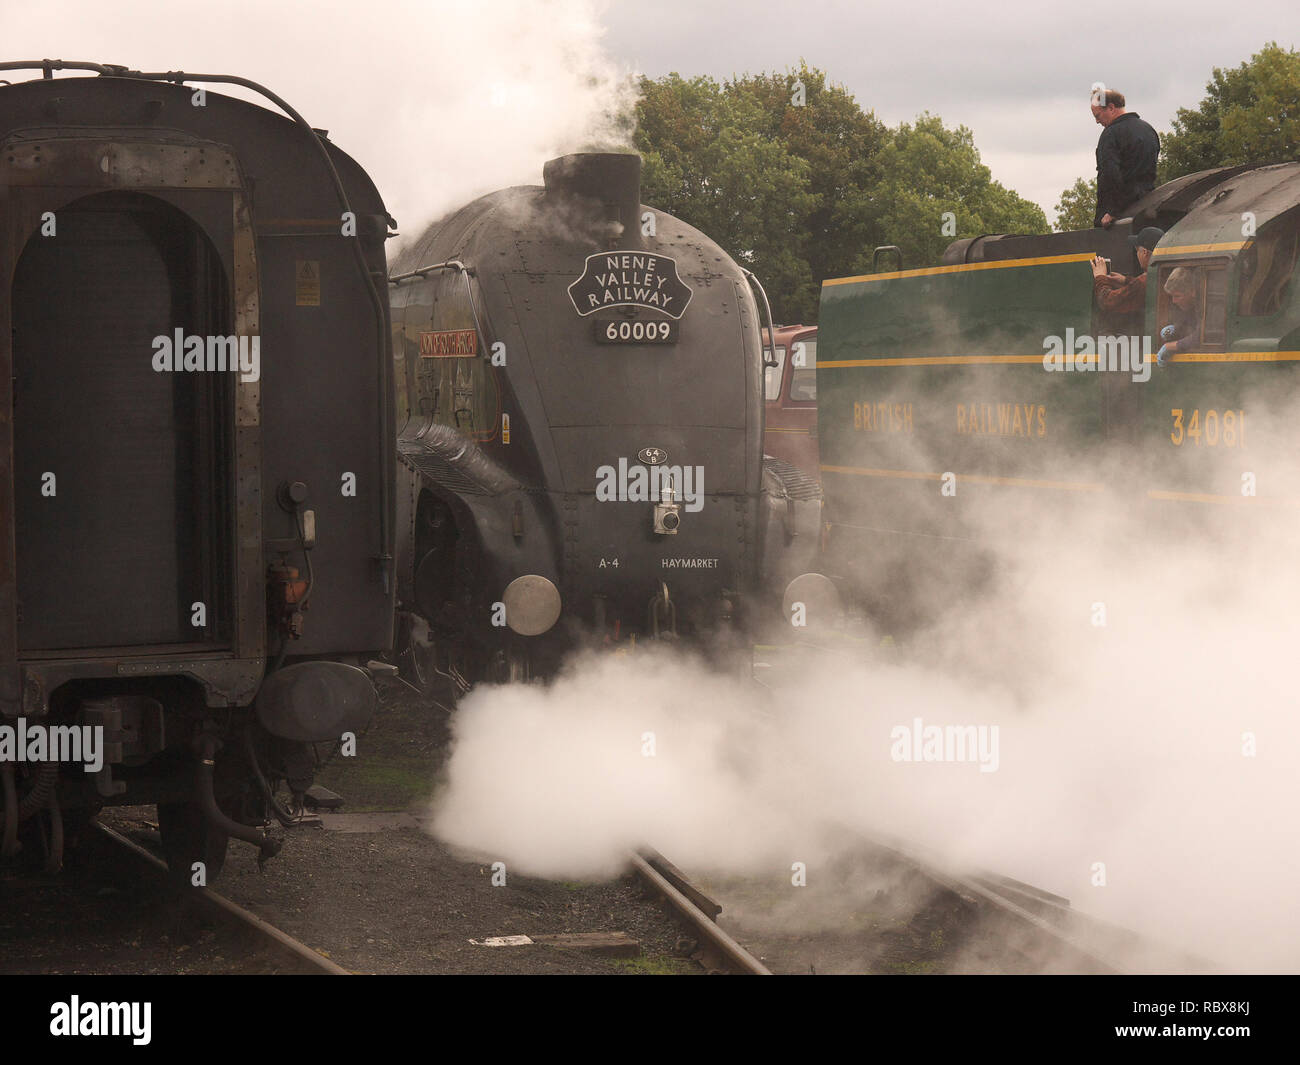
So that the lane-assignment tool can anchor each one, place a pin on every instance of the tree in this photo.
(708, 162)
(934, 189)
(770, 166)
(1077, 206)
(795, 181)
(1250, 114)
(821, 124)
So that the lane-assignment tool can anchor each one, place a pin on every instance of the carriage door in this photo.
(121, 472)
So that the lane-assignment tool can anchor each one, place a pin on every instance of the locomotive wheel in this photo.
(187, 837)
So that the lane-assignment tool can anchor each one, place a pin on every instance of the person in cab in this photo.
(1121, 298)
(1183, 333)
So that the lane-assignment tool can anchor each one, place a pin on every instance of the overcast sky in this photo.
(444, 99)
(1017, 72)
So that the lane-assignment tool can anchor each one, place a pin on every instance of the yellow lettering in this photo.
(857, 416)
(989, 419)
(907, 417)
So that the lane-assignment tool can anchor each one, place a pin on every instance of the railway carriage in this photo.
(195, 376)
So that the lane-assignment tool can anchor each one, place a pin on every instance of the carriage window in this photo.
(1267, 267)
(803, 381)
(1209, 307)
(772, 374)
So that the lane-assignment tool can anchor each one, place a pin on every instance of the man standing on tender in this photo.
(1126, 157)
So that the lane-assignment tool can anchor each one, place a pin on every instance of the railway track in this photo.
(1074, 942)
(884, 907)
(277, 941)
(714, 949)
(114, 910)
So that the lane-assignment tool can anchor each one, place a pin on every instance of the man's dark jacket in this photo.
(1126, 164)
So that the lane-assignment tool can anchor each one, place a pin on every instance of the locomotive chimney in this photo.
(611, 179)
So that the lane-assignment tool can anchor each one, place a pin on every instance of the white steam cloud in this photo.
(439, 100)
(1160, 743)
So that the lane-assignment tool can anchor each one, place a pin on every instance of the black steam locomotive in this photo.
(197, 476)
(581, 460)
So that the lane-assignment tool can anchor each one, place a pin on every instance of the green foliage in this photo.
(840, 143)
(1250, 114)
(929, 171)
(707, 162)
(656, 965)
(1077, 206)
(765, 184)
(800, 193)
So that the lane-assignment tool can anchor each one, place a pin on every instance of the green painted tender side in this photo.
(929, 373)
(901, 427)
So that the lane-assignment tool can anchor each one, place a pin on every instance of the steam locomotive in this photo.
(196, 551)
(939, 411)
(581, 460)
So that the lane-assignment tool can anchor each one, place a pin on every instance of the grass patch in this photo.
(375, 784)
(657, 965)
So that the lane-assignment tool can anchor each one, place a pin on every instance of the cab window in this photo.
(456, 390)
(1267, 267)
(1210, 302)
(772, 374)
(803, 379)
